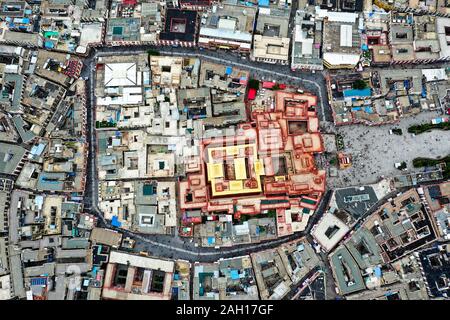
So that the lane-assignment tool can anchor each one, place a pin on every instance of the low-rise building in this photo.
(68, 27)
(346, 272)
(20, 24)
(181, 281)
(194, 4)
(438, 200)
(226, 279)
(61, 68)
(227, 27)
(273, 280)
(180, 28)
(299, 259)
(142, 206)
(443, 32)
(133, 277)
(377, 39)
(270, 39)
(11, 158)
(120, 81)
(341, 51)
(436, 267)
(401, 226)
(306, 42)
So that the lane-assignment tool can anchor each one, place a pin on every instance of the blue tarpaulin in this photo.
(115, 221)
(424, 92)
(368, 110)
(228, 70)
(37, 150)
(49, 44)
(357, 93)
(377, 271)
(21, 20)
(38, 281)
(263, 3)
(406, 84)
(234, 274)
(44, 179)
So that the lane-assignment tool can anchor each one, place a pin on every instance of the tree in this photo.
(359, 84)
(253, 84)
(402, 166)
(421, 128)
(276, 87)
(397, 131)
(152, 52)
(271, 213)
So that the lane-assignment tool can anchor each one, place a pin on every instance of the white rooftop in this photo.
(127, 96)
(332, 16)
(226, 34)
(341, 58)
(142, 262)
(435, 74)
(346, 35)
(307, 43)
(228, 24)
(327, 221)
(444, 40)
(121, 74)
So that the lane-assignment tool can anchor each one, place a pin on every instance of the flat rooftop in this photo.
(356, 201)
(180, 25)
(348, 41)
(346, 271)
(329, 231)
(232, 22)
(10, 157)
(121, 74)
(274, 23)
(142, 262)
(123, 29)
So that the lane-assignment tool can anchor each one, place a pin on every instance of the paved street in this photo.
(375, 151)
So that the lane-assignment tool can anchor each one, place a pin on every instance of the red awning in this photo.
(251, 94)
(268, 84)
